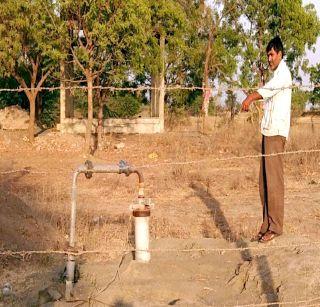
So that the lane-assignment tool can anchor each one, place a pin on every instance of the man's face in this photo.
(274, 58)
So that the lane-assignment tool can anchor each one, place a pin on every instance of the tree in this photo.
(201, 46)
(102, 35)
(299, 100)
(30, 41)
(183, 66)
(231, 103)
(168, 23)
(11, 98)
(297, 25)
(315, 79)
(220, 30)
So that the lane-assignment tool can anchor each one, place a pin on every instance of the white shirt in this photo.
(277, 105)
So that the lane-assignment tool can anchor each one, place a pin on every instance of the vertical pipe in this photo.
(71, 258)
(71, 265)
(141, 230)
(73, 210)
(141, 234)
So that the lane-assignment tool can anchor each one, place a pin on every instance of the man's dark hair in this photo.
(276, 44)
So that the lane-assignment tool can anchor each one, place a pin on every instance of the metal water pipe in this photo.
(89, 169)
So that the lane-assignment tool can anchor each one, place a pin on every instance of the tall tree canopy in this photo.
(104, 35)
(297, 25)
(30, 39)
(186, 42)
(315, 79)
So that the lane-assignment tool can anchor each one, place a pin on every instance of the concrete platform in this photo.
(114, 125)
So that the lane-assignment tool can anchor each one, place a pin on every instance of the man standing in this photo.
(275, 127)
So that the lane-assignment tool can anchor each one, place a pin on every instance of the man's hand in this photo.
(250, 98)
(245, 105)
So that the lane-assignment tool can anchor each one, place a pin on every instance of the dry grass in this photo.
(103, 215)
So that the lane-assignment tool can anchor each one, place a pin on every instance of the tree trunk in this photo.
(32, 101)
(90, 113)
(66, 98)
(62, 92)
(205, 81)
(260, 68)
(100, 119)
(232, 110)
(38, 106)
(69, 95)
(162, 83)
(258, 105)
(154, 95)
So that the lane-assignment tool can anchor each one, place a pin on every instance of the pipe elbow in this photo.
(140, 175)
(125, 168)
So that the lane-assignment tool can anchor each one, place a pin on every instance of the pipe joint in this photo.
(124, 168)
(89, 167)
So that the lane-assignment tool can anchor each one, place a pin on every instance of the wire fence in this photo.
(172, 163)
(219, 88)
(313, 245)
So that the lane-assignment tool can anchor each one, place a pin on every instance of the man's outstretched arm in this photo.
(250, 98)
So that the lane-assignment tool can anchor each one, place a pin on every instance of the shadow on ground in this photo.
(263, 267)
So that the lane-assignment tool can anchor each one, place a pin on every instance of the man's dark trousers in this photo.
(271, 184)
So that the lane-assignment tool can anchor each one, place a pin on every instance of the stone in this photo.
(47, 295)
(55, 294)
(7, 289)
(119, 145)
(15, 118)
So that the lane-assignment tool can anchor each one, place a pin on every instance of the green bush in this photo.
(122, 106)
(299, 100)
(80, 100)
(11, 98)
(50, 109)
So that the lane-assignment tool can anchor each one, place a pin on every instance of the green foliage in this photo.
(120, 43)
(299, 100)
(315, 79)
(30, 34)
(113, 34)
(122, 106)
(182, 101)
(11, 98)
(50, 109)
(231, 103)
(80, 102)
(297, 25)
(169, 20)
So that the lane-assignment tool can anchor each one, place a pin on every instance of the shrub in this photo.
(11, 98)
(50, 109)
(299, 100)
(122, 106)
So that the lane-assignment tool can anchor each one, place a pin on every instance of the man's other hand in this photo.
(250, 98)
(245, 105)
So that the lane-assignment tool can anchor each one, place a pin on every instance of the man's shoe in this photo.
(268, 236)
(258, 236)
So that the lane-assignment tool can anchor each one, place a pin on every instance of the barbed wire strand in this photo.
(284, 303)
(232, 158)
(166, 88)
(299, 303)
(305, 151)
(314, 245)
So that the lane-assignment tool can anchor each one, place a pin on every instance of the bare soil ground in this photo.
(208, 204)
